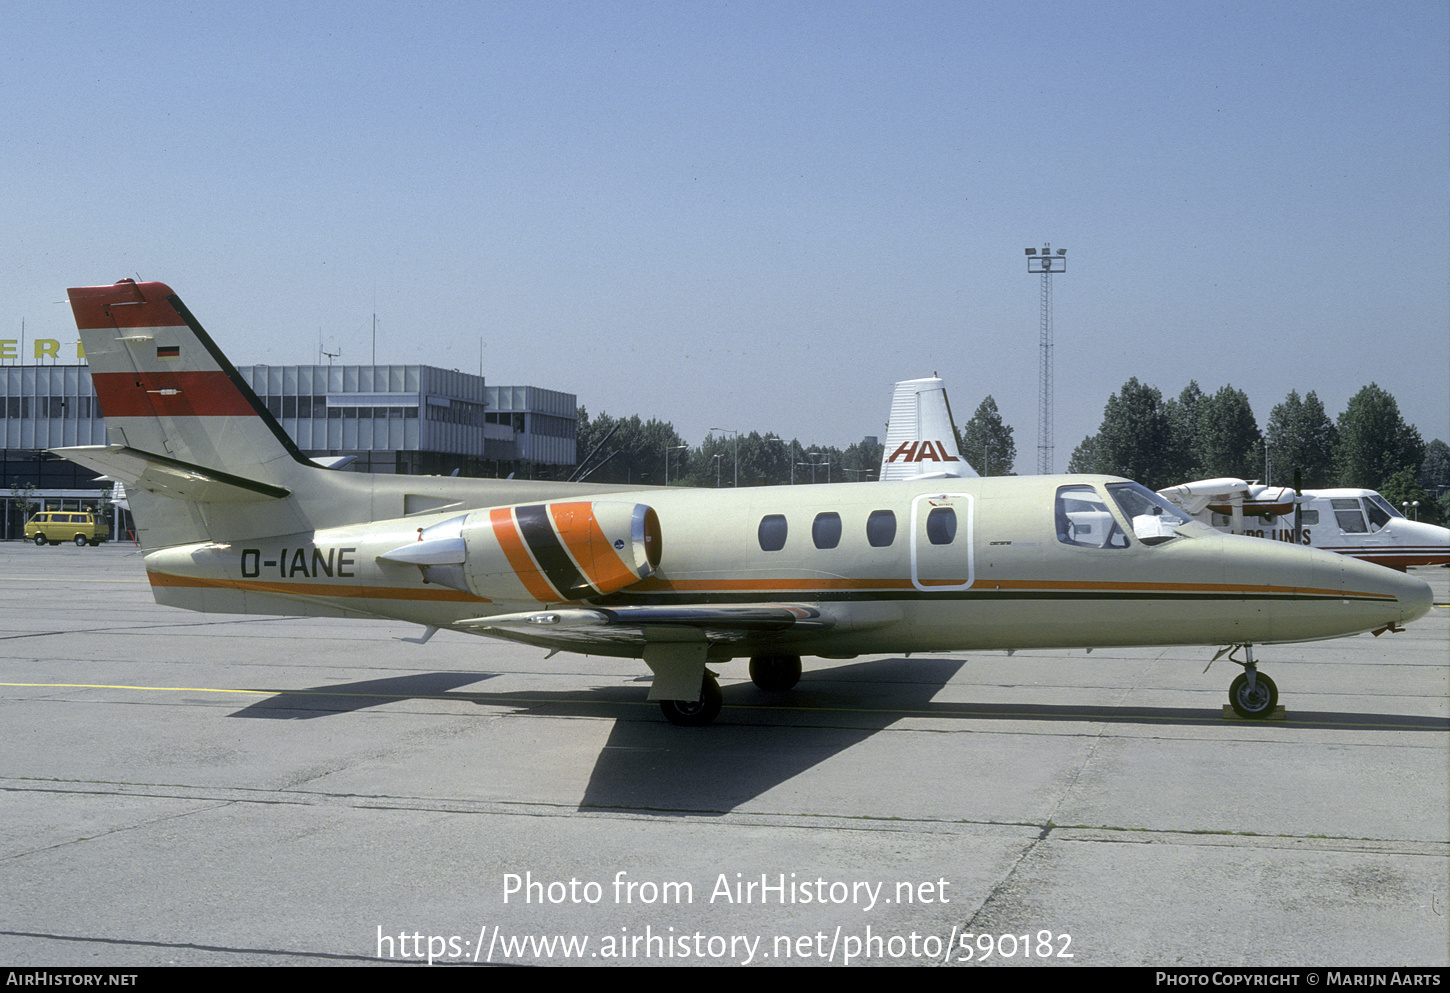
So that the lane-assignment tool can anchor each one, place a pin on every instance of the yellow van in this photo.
(51, 527)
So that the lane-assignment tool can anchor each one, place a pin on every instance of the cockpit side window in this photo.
(1348, 516)
(1083, 519)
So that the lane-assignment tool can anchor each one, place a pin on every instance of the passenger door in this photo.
(941, 542)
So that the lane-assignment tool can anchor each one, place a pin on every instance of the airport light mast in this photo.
(1047, 263)
(736, 484)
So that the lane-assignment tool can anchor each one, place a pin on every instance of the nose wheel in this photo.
(1253, 701)
(1252, 694)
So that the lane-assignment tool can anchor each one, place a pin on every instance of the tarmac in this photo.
(199, 789)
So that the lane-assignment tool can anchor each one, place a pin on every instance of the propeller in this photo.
(1298, 507)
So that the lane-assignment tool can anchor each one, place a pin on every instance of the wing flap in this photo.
(575, 626)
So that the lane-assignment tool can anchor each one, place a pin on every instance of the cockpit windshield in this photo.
(1154, 519)
(1085, 518)
(1380, 511)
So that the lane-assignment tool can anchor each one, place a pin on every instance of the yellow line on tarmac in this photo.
(272, 692)
(159, 689)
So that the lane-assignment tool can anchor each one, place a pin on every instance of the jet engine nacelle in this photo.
(539, 552)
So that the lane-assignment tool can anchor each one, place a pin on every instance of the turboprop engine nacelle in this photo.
(1224, 494)
(544, 552)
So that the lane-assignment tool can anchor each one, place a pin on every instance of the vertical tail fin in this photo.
(921, 438)
(195, 447)
(165, 388)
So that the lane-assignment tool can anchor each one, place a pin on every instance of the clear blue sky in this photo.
(757, 215)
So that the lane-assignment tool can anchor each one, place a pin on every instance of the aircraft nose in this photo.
(1413, 597)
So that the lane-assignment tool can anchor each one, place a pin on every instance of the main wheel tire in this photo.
(40, 540)
(81, 541)
(775, 673)
(695, 713)
(1255, 704)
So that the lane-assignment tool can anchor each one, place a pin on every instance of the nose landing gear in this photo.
(1252, 694)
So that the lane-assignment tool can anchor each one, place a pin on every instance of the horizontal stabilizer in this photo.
(170, 477)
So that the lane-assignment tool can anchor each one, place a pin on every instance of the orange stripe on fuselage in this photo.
(590, 549)
(506, 531)
(315, 589)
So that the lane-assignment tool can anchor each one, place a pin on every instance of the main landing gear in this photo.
(772, 673)
(1252, 694)
(775, 673)
(696, 713)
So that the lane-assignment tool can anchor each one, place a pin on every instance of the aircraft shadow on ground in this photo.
(343, 698)
(761, 740)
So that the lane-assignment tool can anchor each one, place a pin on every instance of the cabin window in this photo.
(1084, 519)
(1309, 518)
(826, 530)
(772, 532)
(941, 525)
(881, 528)
(1348, 516)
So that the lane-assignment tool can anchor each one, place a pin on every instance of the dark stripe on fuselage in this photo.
(771, 597)
(558, 568)
(661, 599)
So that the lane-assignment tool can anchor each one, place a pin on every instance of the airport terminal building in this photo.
(411, 419)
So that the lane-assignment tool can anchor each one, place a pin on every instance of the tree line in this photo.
(1157, 442)
(1202, 435)
(629, 450)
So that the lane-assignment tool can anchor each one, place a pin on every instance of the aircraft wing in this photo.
(577, 628)
(1193, 497)
(1224, 493)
